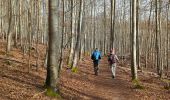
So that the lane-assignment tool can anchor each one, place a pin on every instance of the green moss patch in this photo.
(87, 53)
(69, 65)
(52, 93)
(137, 84)
(8, 62)
(74, 69)
(166, 84)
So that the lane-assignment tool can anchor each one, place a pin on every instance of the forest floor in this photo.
(16, 83)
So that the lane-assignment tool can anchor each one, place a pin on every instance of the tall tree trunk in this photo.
(94, 24)
(167, 42)
(62, 41)
(134, 28)
(157, 38)
(105, 32)
(112, 29)
(72, 33)
(137, 35)
(160, 40)
(77, 47)
(9, 36)
(29, 39)
(1, 32)
(53, 51)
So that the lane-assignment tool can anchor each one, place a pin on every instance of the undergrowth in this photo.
(74, 69)
(69, 65)
(167, 84)
(8, 62)
(52, 93)
(137, 84)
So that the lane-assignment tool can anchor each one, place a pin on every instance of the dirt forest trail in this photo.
(84, 85)
(101, 87)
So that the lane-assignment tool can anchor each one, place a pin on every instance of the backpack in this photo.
(95, 56)
(112, 59)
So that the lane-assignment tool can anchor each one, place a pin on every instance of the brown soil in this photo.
(16, 83)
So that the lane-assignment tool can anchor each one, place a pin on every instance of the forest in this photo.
(47, 49)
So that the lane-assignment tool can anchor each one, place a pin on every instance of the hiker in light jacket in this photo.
(113, 59)
(96, 56)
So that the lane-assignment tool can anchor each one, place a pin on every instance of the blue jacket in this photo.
(96, 55)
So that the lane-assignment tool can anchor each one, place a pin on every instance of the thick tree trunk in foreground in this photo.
(54, 45)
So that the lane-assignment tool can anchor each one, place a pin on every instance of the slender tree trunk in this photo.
(137, 34)
(160, 39)
(72, 33)
(1, 3)
(9, 36)
(29, 39)
(62, 41)
(167, 42)
(21, 44)
(94, 21)
(77, 47)
(105, 32)
(134, 28)
(112, 35)
(157, 38)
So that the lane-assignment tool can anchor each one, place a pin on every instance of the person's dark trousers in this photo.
(96, 68)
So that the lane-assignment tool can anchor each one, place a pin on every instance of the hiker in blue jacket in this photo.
(96, 56)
